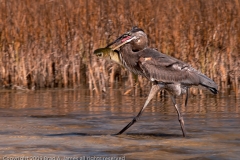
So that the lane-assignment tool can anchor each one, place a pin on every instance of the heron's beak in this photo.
(117, 40)
(124, 41)
(125, 35)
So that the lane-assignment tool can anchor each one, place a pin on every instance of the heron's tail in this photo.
(208, 83)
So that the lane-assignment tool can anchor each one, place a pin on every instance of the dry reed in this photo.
(49, 43)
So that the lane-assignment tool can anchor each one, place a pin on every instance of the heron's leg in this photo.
(180, 118)
(155, 88)
(186, 100)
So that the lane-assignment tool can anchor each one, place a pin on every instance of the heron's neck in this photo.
(128, 54)
(129, 58)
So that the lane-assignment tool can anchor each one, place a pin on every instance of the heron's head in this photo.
(136, 37)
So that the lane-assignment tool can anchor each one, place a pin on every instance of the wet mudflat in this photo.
(70, 123)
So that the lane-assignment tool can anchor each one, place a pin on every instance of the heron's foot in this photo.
(117, 134)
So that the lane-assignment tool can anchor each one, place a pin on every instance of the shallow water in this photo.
(58, 124)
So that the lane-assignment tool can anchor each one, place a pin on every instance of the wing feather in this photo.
(161, 67)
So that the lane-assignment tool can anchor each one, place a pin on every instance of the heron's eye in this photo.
(137, 39)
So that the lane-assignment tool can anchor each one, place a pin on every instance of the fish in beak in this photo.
(108, 53)
(104, 52)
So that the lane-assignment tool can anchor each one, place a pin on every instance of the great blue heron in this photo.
(165, 72)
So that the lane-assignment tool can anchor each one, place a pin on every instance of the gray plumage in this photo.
(161, 68)
(166, 73)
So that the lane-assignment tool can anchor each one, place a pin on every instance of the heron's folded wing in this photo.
(160, 67)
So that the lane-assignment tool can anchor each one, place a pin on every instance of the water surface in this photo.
(71, 123)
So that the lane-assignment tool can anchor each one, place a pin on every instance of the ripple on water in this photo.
(73, 123)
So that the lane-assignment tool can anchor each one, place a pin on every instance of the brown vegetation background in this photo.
(49, 43)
